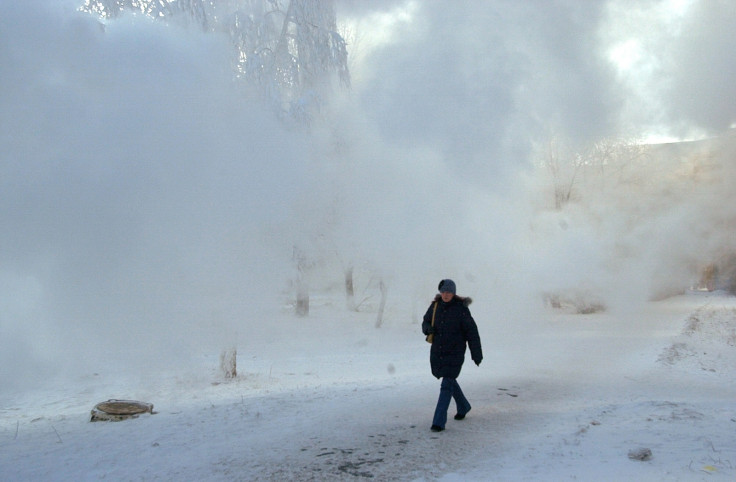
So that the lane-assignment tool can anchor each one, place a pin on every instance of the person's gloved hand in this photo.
(429, 331)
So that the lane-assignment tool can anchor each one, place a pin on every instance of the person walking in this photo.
(450, 327)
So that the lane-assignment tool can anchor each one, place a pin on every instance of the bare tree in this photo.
(613, 162)
(603, 164)
(564, 168)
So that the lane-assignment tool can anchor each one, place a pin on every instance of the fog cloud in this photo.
(674, 73)
(135, 190)
(151, 207)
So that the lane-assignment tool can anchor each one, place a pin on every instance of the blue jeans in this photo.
(449, 390)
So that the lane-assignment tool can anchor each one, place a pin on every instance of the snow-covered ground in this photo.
(331, 397)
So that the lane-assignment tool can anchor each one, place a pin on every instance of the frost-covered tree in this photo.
(193, 10)
(290, 49)
(114, 8)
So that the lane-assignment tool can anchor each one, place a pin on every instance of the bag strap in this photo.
(433, 312)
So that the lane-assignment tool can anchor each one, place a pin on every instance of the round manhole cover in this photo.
(114, 410)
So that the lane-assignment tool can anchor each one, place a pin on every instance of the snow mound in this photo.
(707, 341)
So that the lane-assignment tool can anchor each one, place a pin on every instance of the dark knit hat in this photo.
(447, 286)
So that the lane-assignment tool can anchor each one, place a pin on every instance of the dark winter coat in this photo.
(454, 327)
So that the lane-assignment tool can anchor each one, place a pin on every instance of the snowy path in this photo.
(569, 403)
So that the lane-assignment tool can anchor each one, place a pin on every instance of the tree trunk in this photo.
(384, 291)
(349, 289)
(302, 298)
(302, 286)
(228, 362)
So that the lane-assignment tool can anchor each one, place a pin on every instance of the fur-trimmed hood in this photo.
(465, 300)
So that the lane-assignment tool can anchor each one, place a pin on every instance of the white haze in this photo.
(150, 206)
